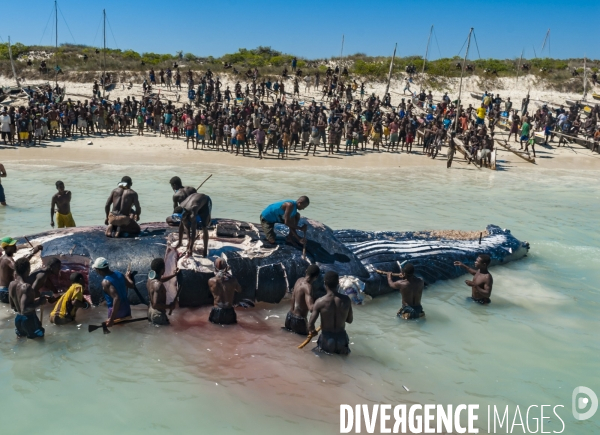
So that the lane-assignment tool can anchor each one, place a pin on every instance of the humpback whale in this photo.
(267, 274)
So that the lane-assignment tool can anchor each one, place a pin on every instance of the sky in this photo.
(314, 29)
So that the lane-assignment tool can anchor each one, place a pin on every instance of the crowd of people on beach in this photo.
(263, 116)
(26, 291)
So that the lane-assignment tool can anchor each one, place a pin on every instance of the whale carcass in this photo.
(266, 274)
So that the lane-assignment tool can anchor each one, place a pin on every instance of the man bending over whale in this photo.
(195, 206)
(302, 301)
(123, 217)
(482, 282)
(284, 212)
(180, 193)
(223, 287)
(335, 310)
(411, 289)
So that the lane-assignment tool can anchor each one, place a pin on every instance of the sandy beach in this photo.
(154, 149)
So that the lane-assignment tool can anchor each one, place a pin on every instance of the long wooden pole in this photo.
(342, 50)
(56, 42)
(519, 67)
(104, 66)
(584, 79)
(387, 87)
(462, 73)
(425, 60)
(12, 64)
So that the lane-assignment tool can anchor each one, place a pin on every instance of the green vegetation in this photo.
(270, 62)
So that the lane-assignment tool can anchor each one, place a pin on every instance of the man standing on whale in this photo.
(123, 217)
(284, 212)
(197, 209)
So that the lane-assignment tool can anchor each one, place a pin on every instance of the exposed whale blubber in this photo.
(267, 274)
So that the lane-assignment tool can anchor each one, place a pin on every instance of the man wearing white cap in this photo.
(114, 286)
(123, 217)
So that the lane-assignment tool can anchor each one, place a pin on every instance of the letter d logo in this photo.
(580, 403)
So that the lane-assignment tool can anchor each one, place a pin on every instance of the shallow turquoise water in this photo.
(533, 345)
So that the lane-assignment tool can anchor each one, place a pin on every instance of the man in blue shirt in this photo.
(114, 286)
(284, 212)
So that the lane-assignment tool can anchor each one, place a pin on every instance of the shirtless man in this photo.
(482, 282)
(335, 310)
(2, 175)
(157, 293)
(411, 289)
(197, 209)
(123, 218)
(7, 265)
(284, 212)
(180, 192)
(23, 301)
(302, 301)
(61, 203)
(223, 287)
(40, 278)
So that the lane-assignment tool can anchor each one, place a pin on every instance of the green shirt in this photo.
(525, 129)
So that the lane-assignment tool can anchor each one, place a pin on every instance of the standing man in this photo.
(411, 289)
(7, 265)
(157, 293)
(23, 301)
(451, 149)
(284, 212)
(335, 310)
(302, 301)
(2, 175)
(223, 287)
(114, 286)
(196, 207)
(5, 124)
(61, 201)
(123, 217)
(482, 282)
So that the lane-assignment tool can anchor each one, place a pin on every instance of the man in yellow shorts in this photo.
(61, 203)
(66, 308)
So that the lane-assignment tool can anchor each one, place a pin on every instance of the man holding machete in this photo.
(114, 286)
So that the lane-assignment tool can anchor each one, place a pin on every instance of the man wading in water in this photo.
(157, 293)
(335, 310)
(411, 289)
(122, 218)
(23, 301)
(114, 286)
(284, 212)
(223, 287)
(61, 202)
(482, 282)
(302, 301)
(2, 175)
(7, 265)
